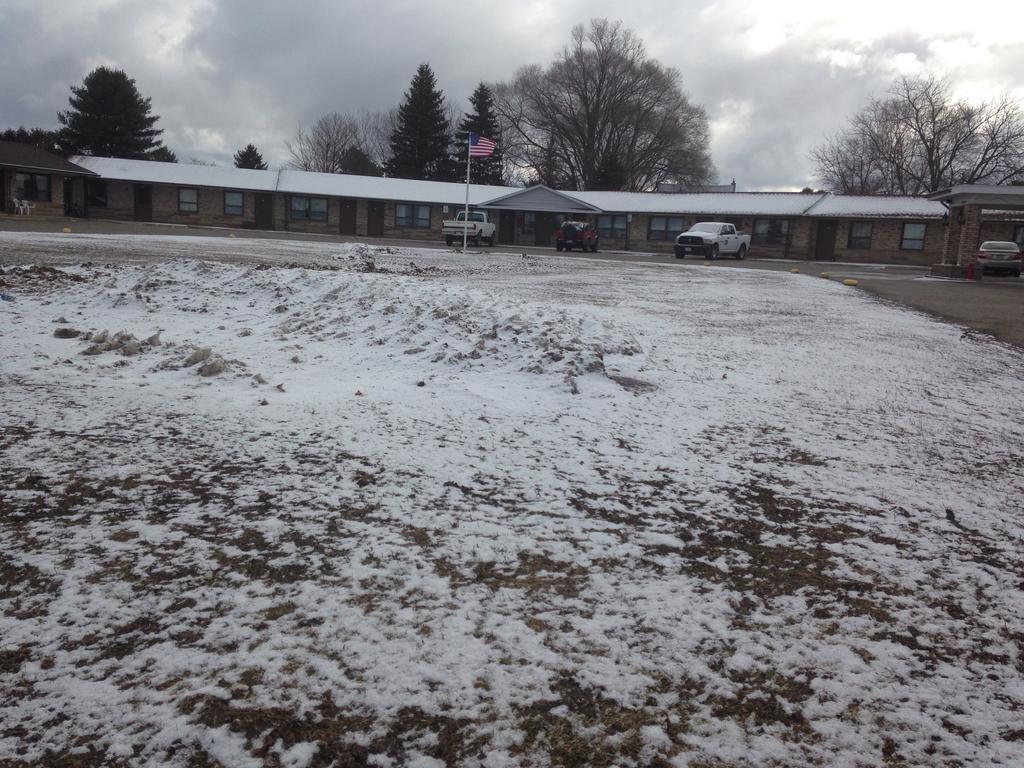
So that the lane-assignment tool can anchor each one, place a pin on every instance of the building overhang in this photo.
(986, 195)
(539, 198)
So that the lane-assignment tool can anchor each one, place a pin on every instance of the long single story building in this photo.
(813, 226)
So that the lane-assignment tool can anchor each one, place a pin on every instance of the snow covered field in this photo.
(489, 510)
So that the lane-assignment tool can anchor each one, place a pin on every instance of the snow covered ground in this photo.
(489, 510)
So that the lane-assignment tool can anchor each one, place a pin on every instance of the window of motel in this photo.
(770, 231)
(234, 203)
(612, 227)
(409, 215)
(32, 186)
(664, 227)
(913, 236)
(860, 234)
(188, 200)
(308, 209)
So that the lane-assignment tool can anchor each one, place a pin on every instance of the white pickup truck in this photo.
(478, 228)
(712, 239)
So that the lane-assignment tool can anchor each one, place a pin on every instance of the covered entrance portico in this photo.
(966, 204)
(546, 208)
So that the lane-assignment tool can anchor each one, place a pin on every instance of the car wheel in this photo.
(476, 241)
(741, 254)
(593, 247)
(714, 251)
(559, 245)
(490, 241)
(449, 240)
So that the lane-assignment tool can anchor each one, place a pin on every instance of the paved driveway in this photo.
(994, 306)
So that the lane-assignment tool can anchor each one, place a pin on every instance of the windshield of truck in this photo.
(706, 227)
(473, 216)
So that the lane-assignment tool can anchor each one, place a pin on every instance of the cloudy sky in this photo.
(775, 77)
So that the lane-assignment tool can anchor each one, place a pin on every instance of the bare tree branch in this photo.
(918, 139)
(602, 115)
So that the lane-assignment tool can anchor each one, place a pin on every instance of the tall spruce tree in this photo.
(421, 139)
(481, 120)
(109, 117)
(250, 157)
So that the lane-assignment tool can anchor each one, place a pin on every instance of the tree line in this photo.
(602, 115)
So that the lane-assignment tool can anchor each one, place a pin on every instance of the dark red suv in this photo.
(576, 234)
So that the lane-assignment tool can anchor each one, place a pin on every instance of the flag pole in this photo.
(465, 222)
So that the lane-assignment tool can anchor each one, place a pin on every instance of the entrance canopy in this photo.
(967, 203)
(542, 199)
(987, 196)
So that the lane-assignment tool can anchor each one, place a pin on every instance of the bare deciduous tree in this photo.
(322, 148)
(603, 115)
(919, 138)
(375, 129)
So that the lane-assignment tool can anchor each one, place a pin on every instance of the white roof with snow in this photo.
(783, 204)
(150, 172)
(724, 203)
(376, 188)
(877, 206)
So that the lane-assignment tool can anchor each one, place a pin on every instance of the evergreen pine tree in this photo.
(610, 174)
(421, 139)
(250, 157)
(354, 160)
(109, 117)
(481, 120)
(162, 154)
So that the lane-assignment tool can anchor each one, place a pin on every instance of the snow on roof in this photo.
(292, 182)
(375, 188)
(454, 193)
(724, 203)
(877, 206)
(147, 171)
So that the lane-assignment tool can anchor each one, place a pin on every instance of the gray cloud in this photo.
(222, 73)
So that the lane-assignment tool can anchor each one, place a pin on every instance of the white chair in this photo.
(20, 207)
(28, 206)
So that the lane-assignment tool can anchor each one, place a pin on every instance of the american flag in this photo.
(480, 146)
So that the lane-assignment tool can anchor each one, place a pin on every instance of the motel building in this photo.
(943, 229)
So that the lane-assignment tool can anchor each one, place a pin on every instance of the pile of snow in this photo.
(457, 510)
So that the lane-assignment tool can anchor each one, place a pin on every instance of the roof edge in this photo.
(575, 200)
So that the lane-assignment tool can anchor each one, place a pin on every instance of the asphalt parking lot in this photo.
(994, 306)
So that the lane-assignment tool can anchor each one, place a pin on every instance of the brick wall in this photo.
(362, 215)
(999, 230)
(120, 202)
(799, 245)
(210, 209)
(121, 205)
(329, 227)
(970, 235)
(415, 233)
(886, 243)
(45, 208)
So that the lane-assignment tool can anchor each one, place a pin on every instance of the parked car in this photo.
(478, 228)
(712, 239)
(576, 234)
(999, 256)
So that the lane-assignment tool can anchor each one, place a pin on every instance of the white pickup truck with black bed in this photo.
(711, 240)
(477, 230)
